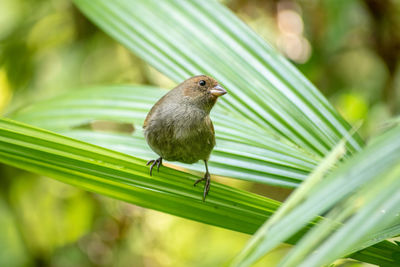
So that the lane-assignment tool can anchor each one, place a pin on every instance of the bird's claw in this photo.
(199, 180)
(206, 186)
(153, 162)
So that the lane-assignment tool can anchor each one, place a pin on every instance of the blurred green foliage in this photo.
(349, 49)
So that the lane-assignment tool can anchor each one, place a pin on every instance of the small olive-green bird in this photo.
(179, 128)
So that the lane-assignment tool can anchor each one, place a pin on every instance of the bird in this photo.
(178, 127)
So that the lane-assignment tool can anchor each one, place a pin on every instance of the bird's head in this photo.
(202, 91)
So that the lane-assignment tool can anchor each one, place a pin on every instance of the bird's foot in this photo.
(206, 178)
(153, 162)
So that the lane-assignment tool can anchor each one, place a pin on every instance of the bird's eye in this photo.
(202, 82)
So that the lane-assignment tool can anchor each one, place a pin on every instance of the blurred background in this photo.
(350, 49)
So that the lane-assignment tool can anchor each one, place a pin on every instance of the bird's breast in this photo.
(181, 136)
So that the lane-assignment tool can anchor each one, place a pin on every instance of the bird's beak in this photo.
(218, 90)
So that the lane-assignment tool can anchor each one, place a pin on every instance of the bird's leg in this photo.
(206, 178)
(153, 162)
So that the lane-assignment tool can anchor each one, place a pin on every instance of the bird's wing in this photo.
(151, 112)
(171, 94)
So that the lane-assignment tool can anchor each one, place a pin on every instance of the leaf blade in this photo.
(223, 47)
(248, 155)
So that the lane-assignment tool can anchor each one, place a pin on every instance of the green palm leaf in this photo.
(273, 127)
(243, 154)
(184, 38)
(363, 202)
(126, 178)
